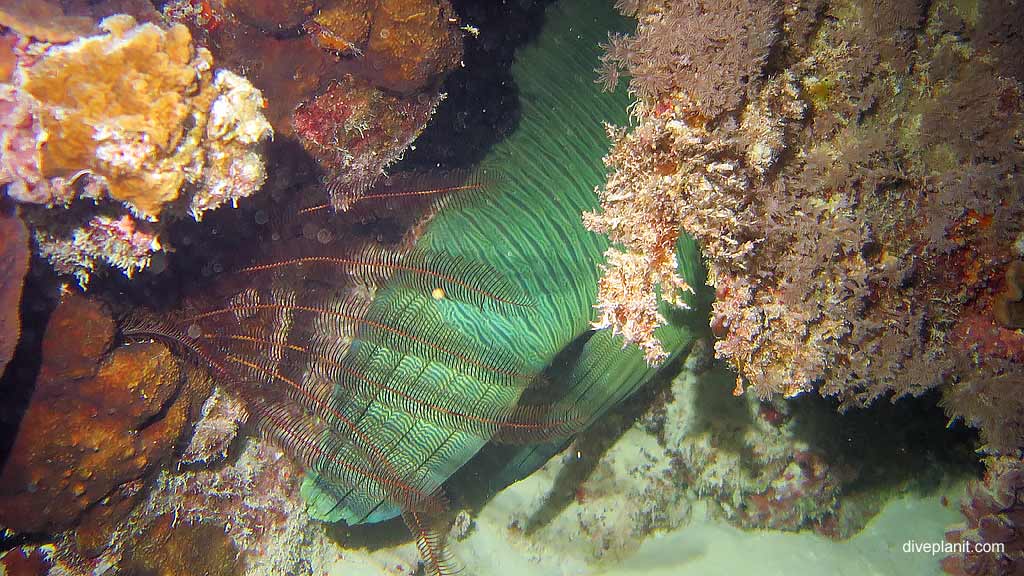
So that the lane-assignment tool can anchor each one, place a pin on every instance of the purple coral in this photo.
(857, 216)
(992, 541)
(711, 51)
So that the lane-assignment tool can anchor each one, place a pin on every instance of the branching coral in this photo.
(124, 243)
(712, 50)
(857, 209)
(130, 119)
(628, 303)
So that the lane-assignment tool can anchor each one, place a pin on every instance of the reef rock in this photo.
(356, 84)
(860, 221)
(223, 414)
(358, 130)
(271, 15)
(170, 548)
(134, 120)
(13, 266)
(99, 419)
(43, 20)
(411, 43)
(994, 518)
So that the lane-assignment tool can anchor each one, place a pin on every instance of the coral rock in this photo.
(13, 267)
(99, 523)
(712, 52)
(222, 415)
(357, 130)
(96, 421)
(78, 334)
(627, 302)
(858, 223)
(411, 43)
(125, 243)
(136, 117)
(129, 125)
(1009, 304)
(8, 59)
(994, 513)
(343, 26)
(115, 105)
(286, 70)
(356, 88)
(254, 498)
(272, 15)
(169, 548)
(234, 168)
(20, 562)
(43, 20)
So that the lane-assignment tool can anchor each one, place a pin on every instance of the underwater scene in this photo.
(511, 287)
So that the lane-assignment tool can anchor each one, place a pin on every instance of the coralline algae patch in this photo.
(357, 130)
(108, 136)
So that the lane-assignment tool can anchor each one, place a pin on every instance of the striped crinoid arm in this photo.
(250, 340)
(540, 423)
(139, 325)
(452, 400)
(437, 274)
(317, 375)
(309, 312)
(416, 191)
(407, 323)
(347, 460)
(276, 347)
(292, 398)
(431, 533)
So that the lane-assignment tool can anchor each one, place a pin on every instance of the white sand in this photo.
(708, 547)
(704, 547)
(630, 487)
(711, 548)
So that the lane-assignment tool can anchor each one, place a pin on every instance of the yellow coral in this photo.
(131, 108)
(136, 116)
(43, 20)
(117, 104)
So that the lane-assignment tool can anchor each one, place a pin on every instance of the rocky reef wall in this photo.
(857, 196)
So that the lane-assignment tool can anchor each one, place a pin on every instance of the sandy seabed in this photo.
(703, 546)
